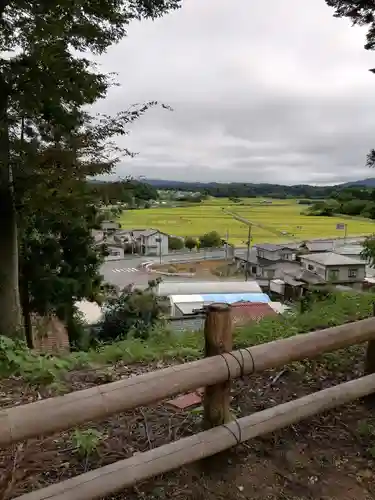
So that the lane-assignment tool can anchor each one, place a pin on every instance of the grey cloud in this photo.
(262, 92)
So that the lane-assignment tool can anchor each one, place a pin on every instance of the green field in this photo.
(281, 215)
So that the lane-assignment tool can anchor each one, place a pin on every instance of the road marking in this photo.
(125, 270)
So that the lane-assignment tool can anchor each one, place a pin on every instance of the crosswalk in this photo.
(125, 270)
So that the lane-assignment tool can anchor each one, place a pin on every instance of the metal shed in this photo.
(188, 287)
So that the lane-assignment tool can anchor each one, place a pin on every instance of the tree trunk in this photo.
(10, 317)
(26, 310)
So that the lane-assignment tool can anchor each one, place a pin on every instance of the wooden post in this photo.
(369, 400)
(218, 340)
(370, 355)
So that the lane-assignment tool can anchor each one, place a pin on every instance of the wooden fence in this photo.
(214, 372)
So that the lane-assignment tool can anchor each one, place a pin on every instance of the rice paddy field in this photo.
(281, 220)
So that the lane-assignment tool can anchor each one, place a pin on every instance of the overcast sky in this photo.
(263, 91)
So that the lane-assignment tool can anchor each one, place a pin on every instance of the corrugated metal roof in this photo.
(247, 313)
(169, 288)
(274, 247)
(232, 298)
(331, 259)
(186, 298)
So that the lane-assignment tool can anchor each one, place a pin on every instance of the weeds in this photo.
(338, 308)
(17, 360)
(86, 442)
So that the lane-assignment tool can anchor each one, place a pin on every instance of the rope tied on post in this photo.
(240, 362)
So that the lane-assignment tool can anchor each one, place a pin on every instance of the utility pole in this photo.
(226, 245)
(158, 239)
(248, 253)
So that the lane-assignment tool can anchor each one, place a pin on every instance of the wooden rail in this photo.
(63, 412)
(115, 477)
(214, 372)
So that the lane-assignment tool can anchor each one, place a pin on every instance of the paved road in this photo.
(128, 271)
(124, 272)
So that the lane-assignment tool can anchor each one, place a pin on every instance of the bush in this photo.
(135, 311)
(210, 240)
(190, 243)
(175, 243)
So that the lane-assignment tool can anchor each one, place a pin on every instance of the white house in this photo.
(143, 241)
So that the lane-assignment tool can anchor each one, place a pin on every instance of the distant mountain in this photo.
(166, 183)
(370, 183)
(196, 185)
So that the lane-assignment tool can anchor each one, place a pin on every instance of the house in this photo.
(143, 241)
(273, 252)
(317, 246)
(333, 268)
(268, 261)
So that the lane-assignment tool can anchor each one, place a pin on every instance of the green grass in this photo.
(282, 215)
(339, 308)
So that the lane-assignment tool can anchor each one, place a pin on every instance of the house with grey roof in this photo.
(332, 268)
(268, 261)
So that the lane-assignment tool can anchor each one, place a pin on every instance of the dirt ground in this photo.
(327, 457)
(203, 267)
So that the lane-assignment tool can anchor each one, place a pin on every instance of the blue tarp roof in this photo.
(231, 298)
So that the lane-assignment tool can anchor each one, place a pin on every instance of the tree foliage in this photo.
(134, 311)
(368, 251)
(175, 243)
(211, 240)
(128, 192)
(360, 12)
(45, 80)
(190, 243)
(350, 201)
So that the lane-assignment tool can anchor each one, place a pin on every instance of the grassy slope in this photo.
(282, 215)
(339, 309)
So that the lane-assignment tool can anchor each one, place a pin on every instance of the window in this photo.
(270, 273)
(253, 270)
(333, 274)
(353, 273)
(310, 267)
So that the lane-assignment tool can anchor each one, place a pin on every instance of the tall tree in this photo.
(59, 261)
(44, 78)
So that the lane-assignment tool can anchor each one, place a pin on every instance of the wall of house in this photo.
(266, 272)
(267, 254)
(314, 268)
(153, 246)
(343, 274)
(115, 253)
(282, 254)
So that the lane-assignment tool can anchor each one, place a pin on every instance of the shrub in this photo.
(190, 243)
(136, 311)
(175, 243)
